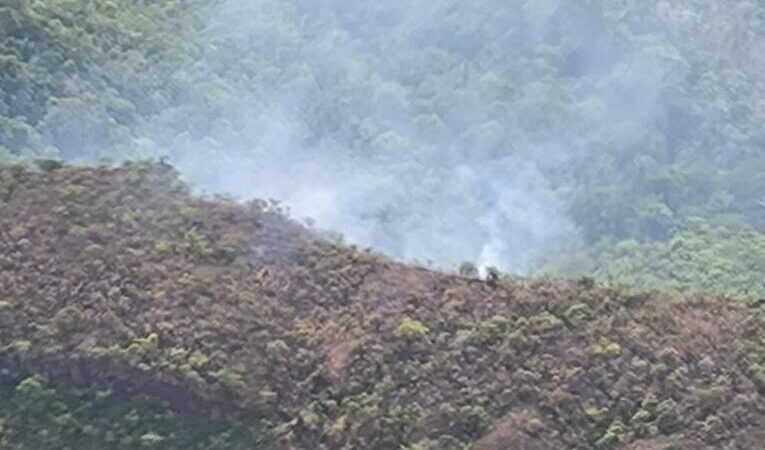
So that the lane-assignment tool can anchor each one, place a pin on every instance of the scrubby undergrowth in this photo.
(118, 280)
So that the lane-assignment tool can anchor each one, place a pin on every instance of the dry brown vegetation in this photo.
(118, 277)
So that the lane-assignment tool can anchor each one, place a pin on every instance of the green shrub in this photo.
(468, 269)
(411, 329)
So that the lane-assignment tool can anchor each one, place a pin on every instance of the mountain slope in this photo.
(119, 279)
(524, 131)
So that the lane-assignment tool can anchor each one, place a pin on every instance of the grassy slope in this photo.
(119, 279)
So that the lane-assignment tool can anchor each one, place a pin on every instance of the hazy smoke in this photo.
(437, 132)
(387, 176)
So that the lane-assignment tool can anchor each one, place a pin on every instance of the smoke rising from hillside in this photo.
(347, 134)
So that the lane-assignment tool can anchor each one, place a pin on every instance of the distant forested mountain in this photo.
(621, 138)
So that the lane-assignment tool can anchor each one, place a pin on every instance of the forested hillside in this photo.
(624, 135)
(616, 143)
(136, 316)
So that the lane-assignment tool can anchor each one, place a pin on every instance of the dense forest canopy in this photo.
(621, 138)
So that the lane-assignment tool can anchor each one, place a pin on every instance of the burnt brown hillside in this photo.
(119, 278)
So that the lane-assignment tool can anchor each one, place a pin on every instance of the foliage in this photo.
(702, 258)
(644, 119)
(36, 415)
(657, 104)
(288, 341)
(411, 329)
